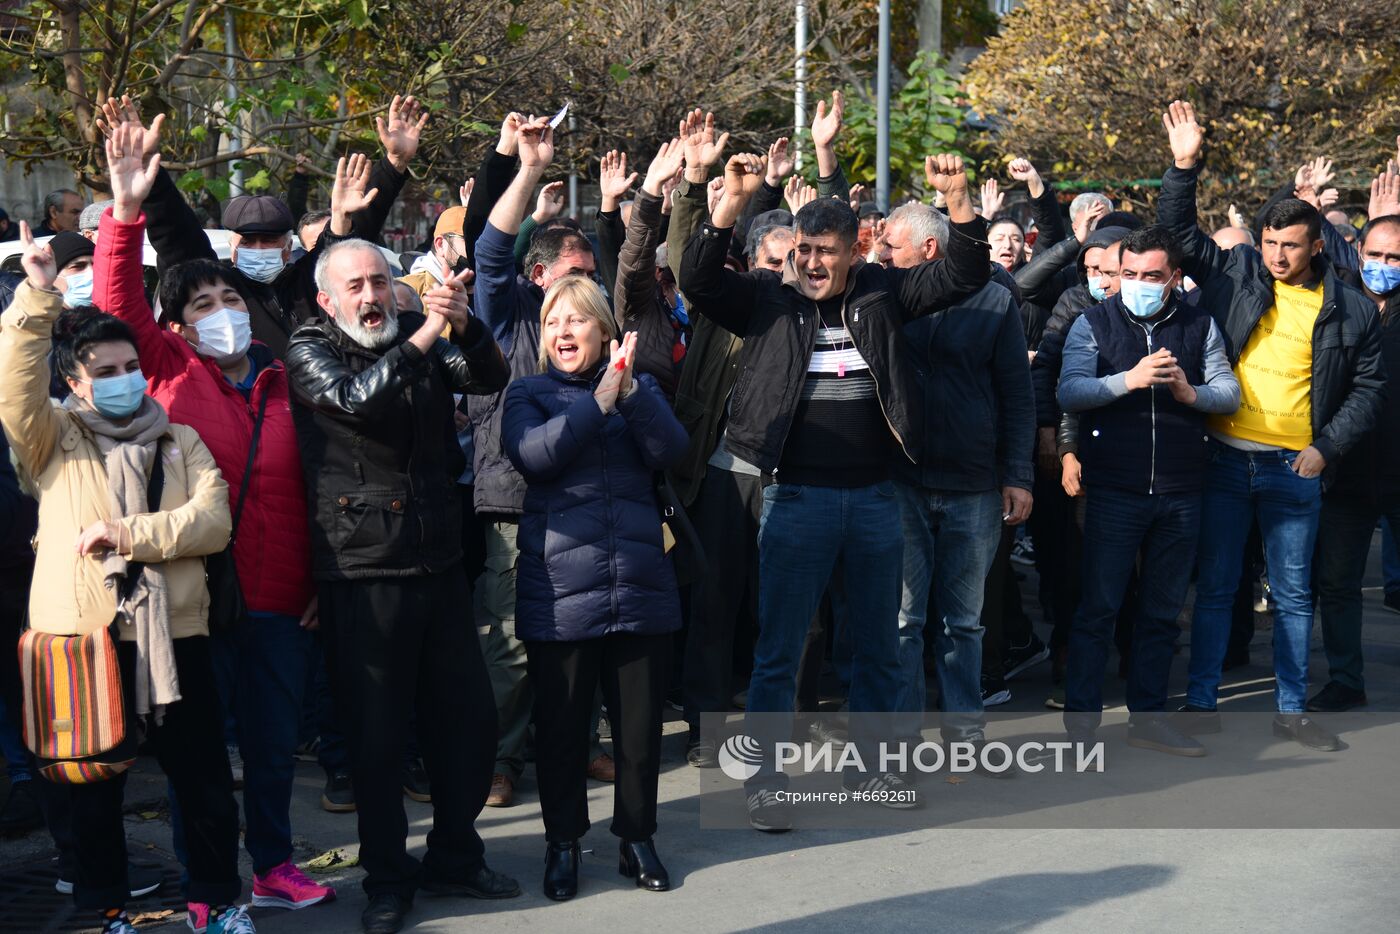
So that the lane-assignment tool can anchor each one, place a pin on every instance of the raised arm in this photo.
(718, 293)
(702, 152)
(1176, 207)
(497, 170)
(399, 132)
(26, 337)
(1045, 209)
(635, 302)
(938, 283)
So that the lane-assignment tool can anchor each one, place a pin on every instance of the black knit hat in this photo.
(68, 246)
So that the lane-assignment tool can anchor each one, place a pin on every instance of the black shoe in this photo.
(887, 790)
(561, 859)
(1196, 721)
(702, 752)
(1334, 698)
(823, 731)
(385, 914)
(994, 691)
(1392, 601)
(1021, 657)
(143, 877)
(1305, 730)
(1159, 734)
(1235, 660)
(483, 882)
(338, 797)
(675, 700)
(415, 781)
(21, 813)
(639, 861)
(767, 812)
(1008, 772)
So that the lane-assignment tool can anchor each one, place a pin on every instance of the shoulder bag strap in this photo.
(248, 468)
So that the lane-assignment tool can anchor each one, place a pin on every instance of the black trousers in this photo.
(189, 745)
(396, 645)
(632, 671)
(725, 515)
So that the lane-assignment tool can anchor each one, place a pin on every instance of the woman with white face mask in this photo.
(203, 366)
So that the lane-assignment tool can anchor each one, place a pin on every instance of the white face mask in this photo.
(224, 336)
(264, 265)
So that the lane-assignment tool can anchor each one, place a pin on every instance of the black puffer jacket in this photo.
(1348, 378)
(779, 328)
(378, 447)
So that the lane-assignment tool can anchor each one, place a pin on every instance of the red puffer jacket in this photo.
(272, 550)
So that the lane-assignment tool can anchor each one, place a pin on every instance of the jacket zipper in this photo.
(812, 342)
(1152, 394)
(878, 399)
(612, 538)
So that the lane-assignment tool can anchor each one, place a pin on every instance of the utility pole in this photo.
(799, 100)
(882, 130)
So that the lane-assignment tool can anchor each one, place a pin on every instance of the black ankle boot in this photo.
(639, 860)
(561, 861)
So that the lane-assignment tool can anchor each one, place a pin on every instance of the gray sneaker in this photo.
(1157, 733)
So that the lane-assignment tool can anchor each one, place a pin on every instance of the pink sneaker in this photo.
(286, 886)
(197, 917)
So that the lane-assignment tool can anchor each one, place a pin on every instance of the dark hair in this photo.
(551, 243)
(78, 329)
(1385, 220)
(1149, 238)
(311, 217)
(1290, 212)
(827, 216)
(179, 282)
(53, 201)
(1006, 219)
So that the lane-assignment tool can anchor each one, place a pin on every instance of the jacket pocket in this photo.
(690, 412)
(369, 522)
(736, 399)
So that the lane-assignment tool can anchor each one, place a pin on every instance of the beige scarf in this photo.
(131, 450)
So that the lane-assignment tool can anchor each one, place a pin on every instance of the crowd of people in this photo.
(436, 516)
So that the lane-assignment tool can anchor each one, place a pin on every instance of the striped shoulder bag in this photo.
(77, 721)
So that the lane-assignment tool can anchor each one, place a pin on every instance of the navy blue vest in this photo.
(1146, 442)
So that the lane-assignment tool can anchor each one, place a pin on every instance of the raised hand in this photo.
(129, 171)
(743, 173)
(535, 143)
(300, 166)
(1184, 133)
(798, 194)
(826, 123)
(1326, 198)
(702, 148)
(857, 195)
(464, 193)
(780, 162)
(123, 111)
(510, 134)
(400, 132)
(1236, 218)
(37, 261)
(667, 165)
(713, 192)
(550, 203)
(348, 193)
(668, 190)
(1385, 194)
(946, 175)
(1318, 173)
(992, 199)
(1023, 171)
(1088, 220)
(614, 181)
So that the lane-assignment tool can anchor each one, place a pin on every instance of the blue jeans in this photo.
(805, 533)
(950, 540)
(1240, 487)
(1118, 524)
(272, 655)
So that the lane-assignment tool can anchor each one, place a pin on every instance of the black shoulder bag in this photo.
(227, 608)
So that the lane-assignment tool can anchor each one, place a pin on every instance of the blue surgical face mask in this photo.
(118, 396)
(264, 265)
(1143, 299)
(79, 289)
(1096, 289)
(1380, 278)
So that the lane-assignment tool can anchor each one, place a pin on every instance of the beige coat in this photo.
(69, 474)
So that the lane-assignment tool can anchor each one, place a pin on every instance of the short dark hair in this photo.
(550, 244)
(1006, 219)
(53, 201)
(827, 216)
(1290, 212)
(1149, 238)
(77, 330)
(1385, 220)
(311, 217)
(179, 282)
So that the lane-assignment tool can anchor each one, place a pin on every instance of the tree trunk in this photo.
(930, 26)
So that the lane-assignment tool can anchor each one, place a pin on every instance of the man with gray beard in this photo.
(372, 392)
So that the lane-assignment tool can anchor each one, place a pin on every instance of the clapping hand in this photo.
(617, 378)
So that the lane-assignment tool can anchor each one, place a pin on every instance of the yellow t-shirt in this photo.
(1275, 374)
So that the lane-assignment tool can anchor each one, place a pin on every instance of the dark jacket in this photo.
(639, 303)
(979, 418)
(1348, 377)
(1370, 471)
(279, 307)
(779, 327)
(1045, 368)
(592, 559)
(378, 446)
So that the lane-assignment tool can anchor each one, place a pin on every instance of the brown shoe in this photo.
(602, 769)
(502, 792)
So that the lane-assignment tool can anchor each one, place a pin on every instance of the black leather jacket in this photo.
(378, 445)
